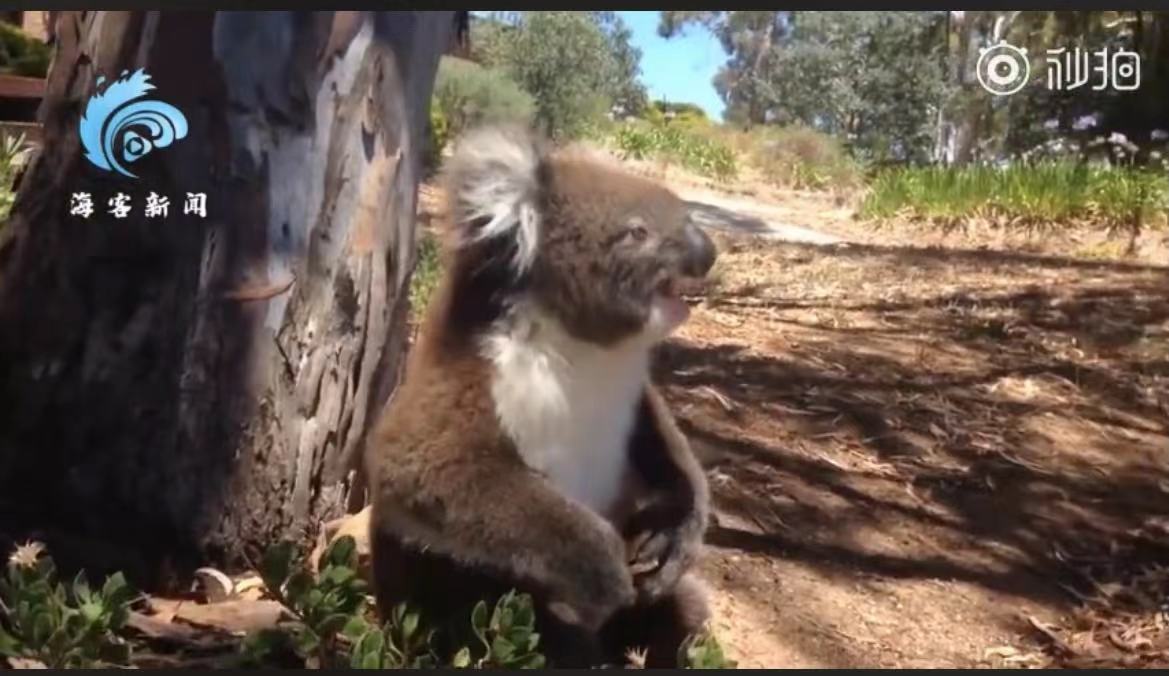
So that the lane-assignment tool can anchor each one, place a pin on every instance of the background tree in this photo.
(629, 94)
(866, 77)
(183, 389)
(901, 86)
(575, 65)
(747, 37)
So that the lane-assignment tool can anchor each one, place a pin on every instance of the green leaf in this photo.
(479, 621)
(355, 628)
(298, 587)
(409, 625)
(368, 650)
(92, 611)
(501, 649)
(8, 644)
(115, 589)
(42, 628)
(81, 587)
(519, 636)
(276, 566)
(371, 660)
(525, 615)
(331, 624)
(462, 659)
(338, 575)
(342, 552)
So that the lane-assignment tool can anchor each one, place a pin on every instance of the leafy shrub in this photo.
(798, 157)
(573, 68)
(1043, 193)
(323, 605)
(467, 94)
(61, 625)
(335, 625)
(673, 143)
(22, 54)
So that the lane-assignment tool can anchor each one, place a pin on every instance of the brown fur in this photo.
(458, 515)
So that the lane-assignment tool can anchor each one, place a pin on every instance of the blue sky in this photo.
(681, 68)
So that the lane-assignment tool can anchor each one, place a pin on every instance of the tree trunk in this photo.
(184, 389)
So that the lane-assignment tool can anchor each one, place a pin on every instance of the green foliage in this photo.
(427, 274)
(1021, 194)
(696, 152)
(703, 651)
(63, 625)
(508, 637)
(568, 61)
(873, 79)
(11, 150)
(22, 54)
(335, 626)
(467, 95)
(323, 605)
(629, 95)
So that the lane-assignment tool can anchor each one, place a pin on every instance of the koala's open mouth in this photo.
(681, 287)
(673, 296)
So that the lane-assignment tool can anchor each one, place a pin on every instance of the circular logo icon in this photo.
(1002, 69)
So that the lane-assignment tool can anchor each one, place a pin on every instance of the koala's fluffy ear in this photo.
(493, 184)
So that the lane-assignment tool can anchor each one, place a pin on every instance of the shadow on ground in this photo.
(1013, 438)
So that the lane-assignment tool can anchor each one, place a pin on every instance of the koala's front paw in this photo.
(595, 584)
(657, 560)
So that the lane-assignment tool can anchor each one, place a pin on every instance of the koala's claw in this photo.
(657, 561)
(648, 552)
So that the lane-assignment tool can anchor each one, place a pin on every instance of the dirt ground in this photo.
(929, 450)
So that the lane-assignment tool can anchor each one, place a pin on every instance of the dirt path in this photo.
(918, 455)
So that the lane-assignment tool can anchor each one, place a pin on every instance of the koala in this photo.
(526, 447)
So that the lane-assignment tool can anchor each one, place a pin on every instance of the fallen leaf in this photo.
(250, 588)
(216, 585)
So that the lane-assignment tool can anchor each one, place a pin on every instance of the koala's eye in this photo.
(637, 230)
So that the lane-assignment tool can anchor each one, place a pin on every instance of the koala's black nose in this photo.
(700, 252)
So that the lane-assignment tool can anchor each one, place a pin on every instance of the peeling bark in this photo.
(187, 390)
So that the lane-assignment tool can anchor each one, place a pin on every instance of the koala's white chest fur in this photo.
(569, 407)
